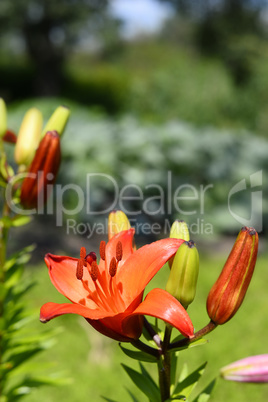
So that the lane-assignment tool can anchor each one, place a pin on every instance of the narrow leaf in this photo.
(173, 371)
(138, 355)
(134, 399)
(187, 385)
(184, 372)
(21, 257)
(198, 342)
(205, 395)
(145, 373)
(143, 383)
(21, 220)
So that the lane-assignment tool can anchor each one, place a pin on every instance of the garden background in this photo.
(190, 98)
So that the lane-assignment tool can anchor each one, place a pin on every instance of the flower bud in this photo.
(229, 290)
(117, 222)
(3, 118)
(28, 137)
(37, 186)
(10, 137)
(178, 230)
(184, 273)
(251, 369)
(58, 120)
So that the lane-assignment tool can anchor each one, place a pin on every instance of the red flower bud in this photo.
(42, 173)
(229, 290)
(10, 137)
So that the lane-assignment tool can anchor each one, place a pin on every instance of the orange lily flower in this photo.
(109, 294)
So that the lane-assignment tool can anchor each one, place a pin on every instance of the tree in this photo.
(49, 29)
(227, 29)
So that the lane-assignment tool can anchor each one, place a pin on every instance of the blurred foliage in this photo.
(47, 31)
(226, 29)
(169, 75)
(159, 81)
(127, 151)
(105, 87)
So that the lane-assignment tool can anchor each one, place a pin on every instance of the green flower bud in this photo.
(58, 120)
(184, 273)
(117, 222)
(3, 118)
(28, 137)
(178, 230)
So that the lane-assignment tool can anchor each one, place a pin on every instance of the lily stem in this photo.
(156, 338)
(199, 334)
(164, 366)
(145, 348)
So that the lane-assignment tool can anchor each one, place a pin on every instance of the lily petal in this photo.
(142, 265)
(160, 304)
(126, 238)
(109, 331)
(62, 272)
(52, 310)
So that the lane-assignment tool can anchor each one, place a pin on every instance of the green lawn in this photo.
(92, 362)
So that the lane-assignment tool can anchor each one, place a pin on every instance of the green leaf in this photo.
(108, 399)
(19, 355)
(184, 372)
(25, 386)
(26, 337)
(134, 399)
(3, 184)
(205, 395)
(6, 222)
(173, 372)
(138, 355)
(25, 318)
(21, 220)
(14, 277)
(144, 382)
(198, 342)
(186, 386)
(19, 258)
(147, 375)
(2, 291)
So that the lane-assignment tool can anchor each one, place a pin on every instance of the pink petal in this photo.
(52, 310)
(142, 265)
(160, 304)
(251, 369)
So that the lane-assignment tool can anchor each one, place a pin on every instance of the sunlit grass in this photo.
(92, 362)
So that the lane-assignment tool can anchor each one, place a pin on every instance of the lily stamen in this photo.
(119, 251)
(79, 270)
(102, 250)
(83, 253)
(113, 267)
(94, 273)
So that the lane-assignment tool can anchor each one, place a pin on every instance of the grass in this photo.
(92, 362)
